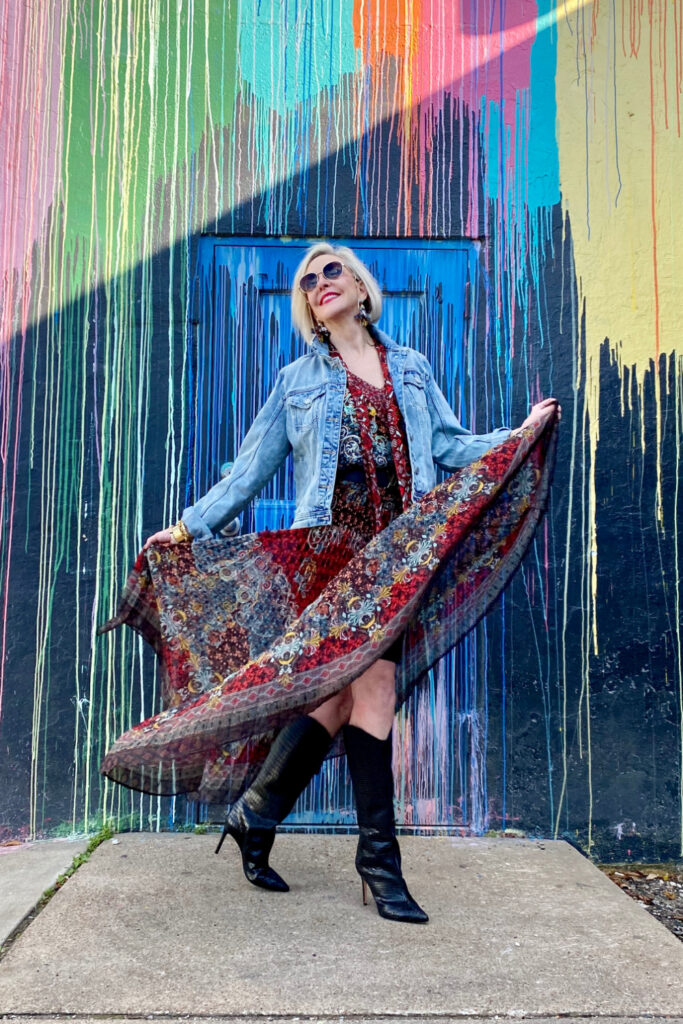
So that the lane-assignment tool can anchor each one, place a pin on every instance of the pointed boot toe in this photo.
(255, 845)
(378, 858)
(295, 756)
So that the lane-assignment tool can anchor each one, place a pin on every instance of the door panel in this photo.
(243, 336)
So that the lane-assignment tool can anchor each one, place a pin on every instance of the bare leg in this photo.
(374, 699)
(334, 713)
(369, 702)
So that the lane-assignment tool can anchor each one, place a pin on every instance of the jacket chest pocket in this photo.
(415, 393)
(304, 410)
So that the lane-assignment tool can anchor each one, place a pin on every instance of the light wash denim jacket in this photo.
(303, 415)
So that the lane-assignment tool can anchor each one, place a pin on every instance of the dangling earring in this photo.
(318, 329)
(362, 315)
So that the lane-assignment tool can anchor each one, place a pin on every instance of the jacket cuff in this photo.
(196, 525)
(496, 436)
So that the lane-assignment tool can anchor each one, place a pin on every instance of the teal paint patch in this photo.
(490, 131)
(543, 155)
(498, 141)
(291, 51)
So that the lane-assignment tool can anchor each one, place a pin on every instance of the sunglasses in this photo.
(331, 271)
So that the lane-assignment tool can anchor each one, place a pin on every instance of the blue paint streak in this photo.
(241, 338)
(543, 156)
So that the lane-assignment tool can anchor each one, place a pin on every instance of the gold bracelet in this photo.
(180, 532)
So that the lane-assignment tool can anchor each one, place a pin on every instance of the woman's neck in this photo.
(348, 337)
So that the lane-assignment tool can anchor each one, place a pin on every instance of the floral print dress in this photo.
(252, 631)
(373, 411)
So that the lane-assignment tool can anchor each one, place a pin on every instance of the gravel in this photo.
(659, 887)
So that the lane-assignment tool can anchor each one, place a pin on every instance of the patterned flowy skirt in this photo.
(253, 631)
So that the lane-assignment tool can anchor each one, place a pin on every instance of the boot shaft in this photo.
(369, 761)
(296, 755)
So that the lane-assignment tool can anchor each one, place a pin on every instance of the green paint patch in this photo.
(149, 95)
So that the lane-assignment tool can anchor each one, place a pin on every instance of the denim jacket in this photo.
(303, 415)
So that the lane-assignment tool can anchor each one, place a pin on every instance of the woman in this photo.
(366, 424)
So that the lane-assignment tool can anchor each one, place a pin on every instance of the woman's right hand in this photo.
(162, 537)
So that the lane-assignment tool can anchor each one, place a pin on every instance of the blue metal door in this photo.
(243, 336)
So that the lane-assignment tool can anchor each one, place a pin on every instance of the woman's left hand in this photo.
(538, 411)
(161, 537)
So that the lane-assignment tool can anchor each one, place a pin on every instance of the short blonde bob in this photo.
(301, 311)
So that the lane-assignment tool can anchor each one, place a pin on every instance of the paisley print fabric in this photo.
(352, 503)
(254, 631)
(350, 446)
(372, 439)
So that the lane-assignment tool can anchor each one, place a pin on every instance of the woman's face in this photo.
(337, 299)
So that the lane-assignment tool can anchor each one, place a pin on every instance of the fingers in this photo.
(538, 410)
(548, 402)
(545, 405)
(161, 537)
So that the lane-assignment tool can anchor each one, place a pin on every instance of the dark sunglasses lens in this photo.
(308, 282)
(332, 270)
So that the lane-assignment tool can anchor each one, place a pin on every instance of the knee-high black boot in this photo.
(378, 859)
(294, 758)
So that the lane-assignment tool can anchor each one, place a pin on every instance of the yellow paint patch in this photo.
(619, 112)
(620, 146)
(619, 79)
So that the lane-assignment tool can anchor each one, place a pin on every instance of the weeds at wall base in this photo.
(106, 832)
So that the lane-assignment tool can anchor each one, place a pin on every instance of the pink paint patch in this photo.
(30, 89)
(478, 50)
(475, 51)
(472, 49)
(30, 128)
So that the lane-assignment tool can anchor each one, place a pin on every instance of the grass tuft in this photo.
(106, 832)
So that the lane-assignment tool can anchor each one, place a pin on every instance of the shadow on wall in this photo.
(107, 406)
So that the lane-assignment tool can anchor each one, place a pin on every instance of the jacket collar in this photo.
(322, 350)
(388, 342)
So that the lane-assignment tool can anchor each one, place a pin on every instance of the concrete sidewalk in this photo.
(26, 872)
(156, 925)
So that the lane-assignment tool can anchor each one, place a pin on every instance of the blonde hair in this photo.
(301, 311)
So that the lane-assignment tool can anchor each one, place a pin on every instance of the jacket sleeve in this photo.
(453, 445)
(262, 452)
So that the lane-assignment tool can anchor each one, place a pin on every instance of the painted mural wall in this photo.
(551, 134)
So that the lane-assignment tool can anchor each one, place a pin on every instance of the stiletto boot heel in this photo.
(294, 758)
(364, 889)
(224, 833)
